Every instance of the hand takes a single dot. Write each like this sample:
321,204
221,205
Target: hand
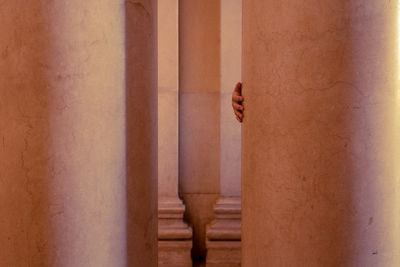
237,102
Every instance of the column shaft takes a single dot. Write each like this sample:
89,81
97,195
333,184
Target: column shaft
141,131
319,139
70,135
62,108
174,236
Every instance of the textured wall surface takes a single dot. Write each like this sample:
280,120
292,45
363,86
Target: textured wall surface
319,138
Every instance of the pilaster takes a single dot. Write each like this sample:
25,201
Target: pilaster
174,235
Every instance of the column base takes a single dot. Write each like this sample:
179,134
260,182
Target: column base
174,253
224,234
174,235
223,254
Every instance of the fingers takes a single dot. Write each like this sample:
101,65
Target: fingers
238,88
237,106
239,118
238,114
237,98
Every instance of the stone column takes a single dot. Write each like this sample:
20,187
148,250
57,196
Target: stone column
320,136
141,131
63,131
224,234
174,236
199,114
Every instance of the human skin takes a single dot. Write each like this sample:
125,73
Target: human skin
237,102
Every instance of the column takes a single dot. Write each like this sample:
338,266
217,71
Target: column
64,131
174,236
199,115
141,131
224,234
320,136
